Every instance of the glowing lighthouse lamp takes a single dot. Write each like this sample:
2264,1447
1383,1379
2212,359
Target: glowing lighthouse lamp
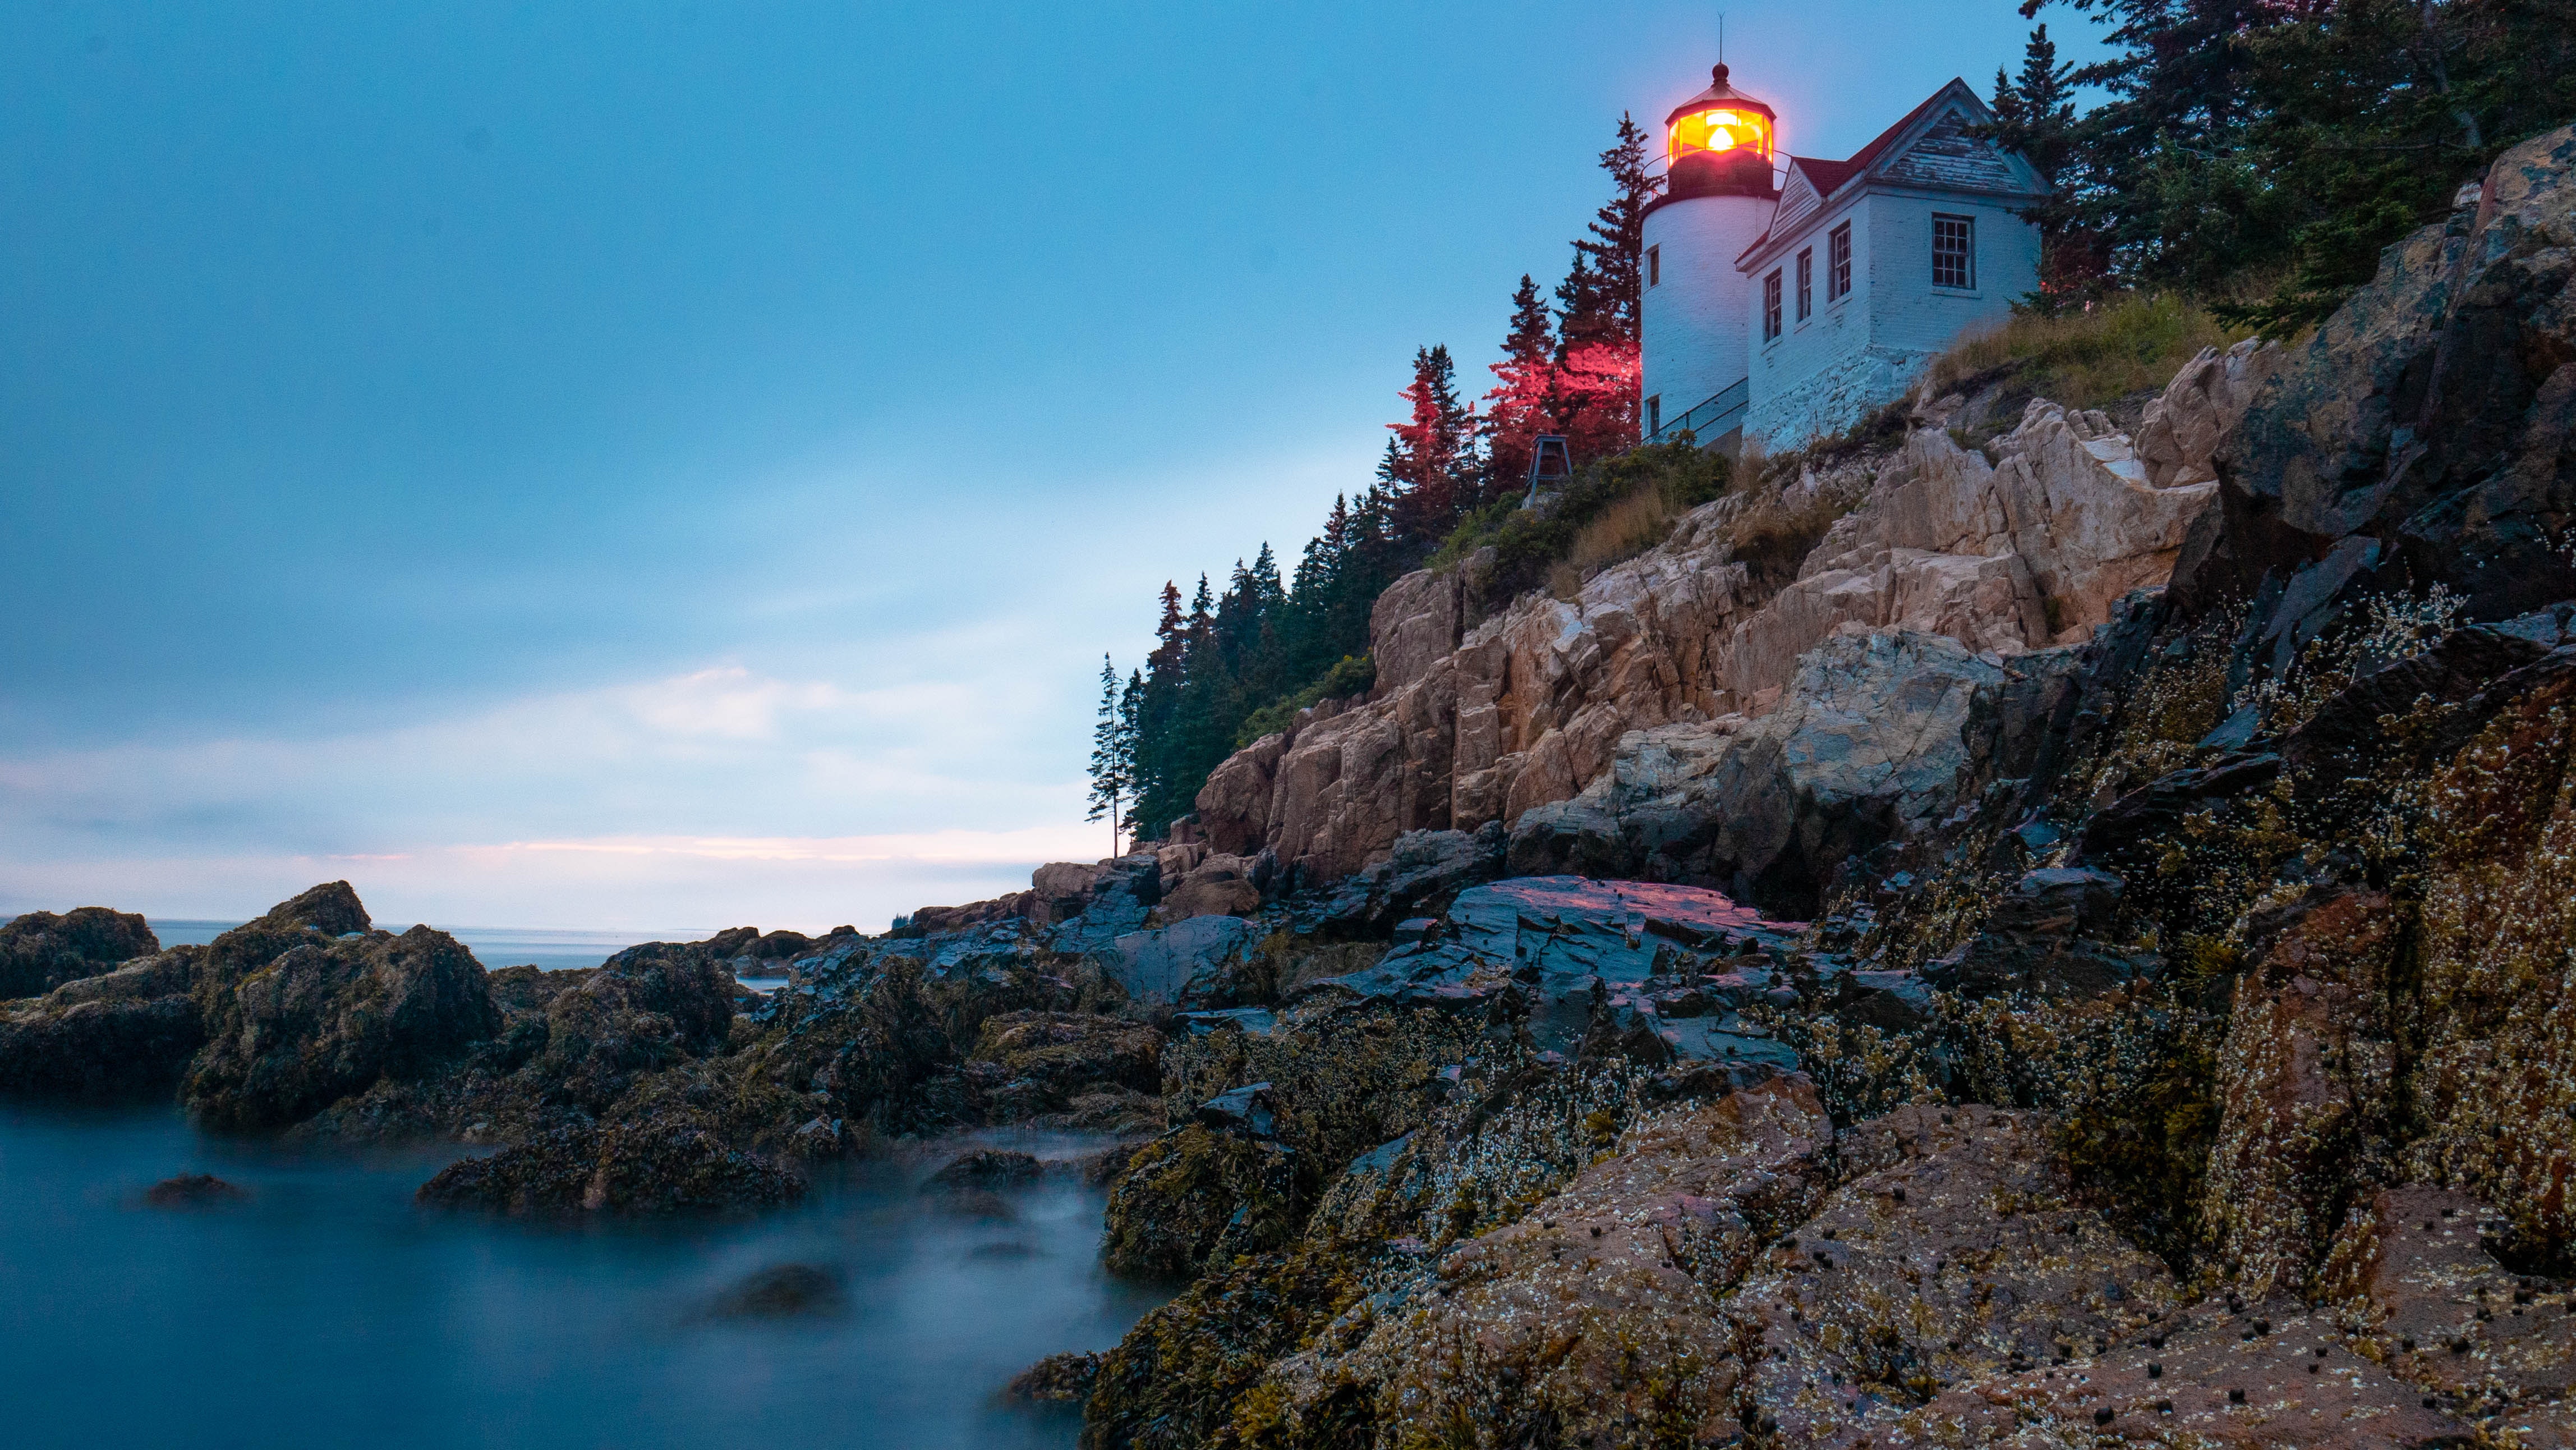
1695,315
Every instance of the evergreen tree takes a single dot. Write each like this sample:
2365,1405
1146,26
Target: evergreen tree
1522,404
1431,462
1113,750
2035,116
1609,255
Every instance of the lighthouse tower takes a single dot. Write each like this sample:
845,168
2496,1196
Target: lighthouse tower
1717,201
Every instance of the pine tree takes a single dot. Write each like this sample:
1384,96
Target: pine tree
1522,404
1431,459
1615,243
2035,116
1113,750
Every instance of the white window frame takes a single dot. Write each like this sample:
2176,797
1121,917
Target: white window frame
1838,263
1806,283
1967,254
1654,266
1771,306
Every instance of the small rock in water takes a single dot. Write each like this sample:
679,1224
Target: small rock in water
1056,1379
991,1168
783,1291
193,1190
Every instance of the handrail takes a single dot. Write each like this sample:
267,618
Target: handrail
1710,420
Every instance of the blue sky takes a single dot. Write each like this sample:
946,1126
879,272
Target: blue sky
667,465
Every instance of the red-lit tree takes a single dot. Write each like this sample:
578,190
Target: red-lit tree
1431,466
1523,403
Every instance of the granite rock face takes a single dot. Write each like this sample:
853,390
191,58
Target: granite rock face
2420,434
1476,722
41,950
1880,737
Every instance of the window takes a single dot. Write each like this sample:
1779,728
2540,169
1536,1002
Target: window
1654,265
1954,251
1806,283
1838,262
1654,410
1771,305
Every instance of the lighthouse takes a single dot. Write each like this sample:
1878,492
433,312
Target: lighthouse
1694,315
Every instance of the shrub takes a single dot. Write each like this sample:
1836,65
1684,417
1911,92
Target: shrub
1615,509
1350,675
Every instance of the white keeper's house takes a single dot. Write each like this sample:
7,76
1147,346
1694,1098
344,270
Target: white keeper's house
1786,297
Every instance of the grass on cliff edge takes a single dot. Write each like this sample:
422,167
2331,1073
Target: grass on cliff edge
1614,509
2125,345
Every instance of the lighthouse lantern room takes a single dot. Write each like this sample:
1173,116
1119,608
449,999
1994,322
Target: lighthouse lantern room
1717,200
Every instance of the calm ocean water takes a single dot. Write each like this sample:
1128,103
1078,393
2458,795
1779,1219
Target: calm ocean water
326,1310
493,946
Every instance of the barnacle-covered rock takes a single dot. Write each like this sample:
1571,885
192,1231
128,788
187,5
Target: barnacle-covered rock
123,1034
2306,1083
1595,1315
327,1018
1957,1249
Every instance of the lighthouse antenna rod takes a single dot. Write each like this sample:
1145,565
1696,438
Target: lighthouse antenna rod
1721,37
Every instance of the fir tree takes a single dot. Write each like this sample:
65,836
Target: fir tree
2035,116
1113,749
1522,404
1609,255
1431,461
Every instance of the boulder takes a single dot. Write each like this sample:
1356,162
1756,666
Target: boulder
985,1168
1879,738
119,1035
40,950
1205,1192
2046,937
669,1164
193,1190
1423,872
1055,1065
784,1291
1218,885
328,1017
1195,963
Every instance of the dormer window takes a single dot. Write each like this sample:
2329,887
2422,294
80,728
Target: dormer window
1954,251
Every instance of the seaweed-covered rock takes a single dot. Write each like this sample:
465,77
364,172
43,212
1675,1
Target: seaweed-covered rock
667,1164
41,950
1058,1379
1596,1314
123,1034
1201,1194
1079,1070
328,1017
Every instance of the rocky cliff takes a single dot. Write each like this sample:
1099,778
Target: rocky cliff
2006,553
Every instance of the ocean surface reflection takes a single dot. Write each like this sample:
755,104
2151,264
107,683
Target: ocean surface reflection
325,1310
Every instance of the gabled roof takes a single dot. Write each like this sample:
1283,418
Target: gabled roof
1830,178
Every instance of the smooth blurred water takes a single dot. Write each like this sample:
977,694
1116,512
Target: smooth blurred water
328,1311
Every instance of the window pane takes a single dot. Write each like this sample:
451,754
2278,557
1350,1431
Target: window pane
1771,306
1806,283
1953,252
1838,261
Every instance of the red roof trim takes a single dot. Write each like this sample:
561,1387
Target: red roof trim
1828,177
